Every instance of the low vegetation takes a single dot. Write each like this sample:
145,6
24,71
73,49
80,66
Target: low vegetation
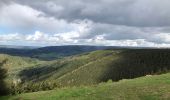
3,88
155,87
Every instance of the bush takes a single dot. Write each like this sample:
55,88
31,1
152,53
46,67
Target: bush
3,89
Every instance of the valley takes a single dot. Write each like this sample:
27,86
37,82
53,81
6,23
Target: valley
88,73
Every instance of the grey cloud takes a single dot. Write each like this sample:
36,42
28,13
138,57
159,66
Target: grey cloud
117,32
121,32
113,20
120,12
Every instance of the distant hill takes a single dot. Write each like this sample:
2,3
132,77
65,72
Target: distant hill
51,52
18,47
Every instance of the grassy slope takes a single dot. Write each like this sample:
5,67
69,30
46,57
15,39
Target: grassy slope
144,88
99,66
57,68
46,70
92,72
90,68
117,65
15,64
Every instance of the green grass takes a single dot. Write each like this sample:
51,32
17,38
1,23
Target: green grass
90,73
144,88
58,68
15,64
116,65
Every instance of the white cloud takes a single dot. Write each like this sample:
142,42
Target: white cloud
10,37
38,36
72,38
21,18
147,13
163,37
77,23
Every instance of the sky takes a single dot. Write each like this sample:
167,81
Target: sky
141,23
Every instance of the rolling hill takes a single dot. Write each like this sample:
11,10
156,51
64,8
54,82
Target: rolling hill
100,66
51,52
15,64
119,64
26,74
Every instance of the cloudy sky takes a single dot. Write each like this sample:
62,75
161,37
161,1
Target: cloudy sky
144,23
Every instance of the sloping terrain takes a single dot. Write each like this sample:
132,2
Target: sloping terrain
100,66
58,68
15,64
84,69
155,87
119,64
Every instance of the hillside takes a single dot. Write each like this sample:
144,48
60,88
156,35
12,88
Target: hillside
119,64
85,69
93,68
15,64
57,68
155,87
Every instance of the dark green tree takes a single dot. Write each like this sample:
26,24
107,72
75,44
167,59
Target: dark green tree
3,72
